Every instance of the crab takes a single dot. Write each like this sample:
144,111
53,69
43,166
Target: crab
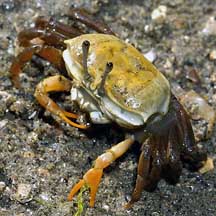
114,83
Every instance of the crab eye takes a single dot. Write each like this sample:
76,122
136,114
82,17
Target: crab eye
109,66
86,43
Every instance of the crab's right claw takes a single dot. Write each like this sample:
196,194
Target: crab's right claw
92,180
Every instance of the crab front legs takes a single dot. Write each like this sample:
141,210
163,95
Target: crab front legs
93,176
55,83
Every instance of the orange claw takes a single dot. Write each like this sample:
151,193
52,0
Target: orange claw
91,179
75,189
63,115
55,83
70,115
93,176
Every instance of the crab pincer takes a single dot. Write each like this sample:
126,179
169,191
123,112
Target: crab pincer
93,176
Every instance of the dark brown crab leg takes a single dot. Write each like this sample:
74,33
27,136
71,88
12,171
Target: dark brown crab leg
50,32
54,26
83,16
190,152
173,166
142,174
49,53
54,33
158,154
150,165
34,36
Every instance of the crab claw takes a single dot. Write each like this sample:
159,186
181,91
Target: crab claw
93,176
91,179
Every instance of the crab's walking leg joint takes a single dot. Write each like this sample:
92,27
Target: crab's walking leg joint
50,32
93,176
29,37
55,83
108,68
60,28
51,54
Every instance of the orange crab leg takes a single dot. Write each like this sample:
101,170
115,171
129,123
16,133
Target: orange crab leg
55,83
93,176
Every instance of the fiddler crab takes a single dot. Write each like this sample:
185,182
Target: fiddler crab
114,83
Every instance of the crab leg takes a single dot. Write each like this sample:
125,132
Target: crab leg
53,26
28,37
55,83
191,153
142,174
51,54
93,176
150,165
50,32
84,17
173,167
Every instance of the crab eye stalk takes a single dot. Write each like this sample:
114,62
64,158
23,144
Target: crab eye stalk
85,50
108,69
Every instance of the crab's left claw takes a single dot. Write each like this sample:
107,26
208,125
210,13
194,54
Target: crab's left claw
93,176
92,180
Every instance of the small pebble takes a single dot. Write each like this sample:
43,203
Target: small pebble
214,97
18,107
23,193
3,123
168,68
5,96
196,106
212,55
168,64
151,55
28,154
159,14
4,43
210,26
193,76
106,207
32,115
45,197
213,77
148,28
32,137
43,172
2,186
209,165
